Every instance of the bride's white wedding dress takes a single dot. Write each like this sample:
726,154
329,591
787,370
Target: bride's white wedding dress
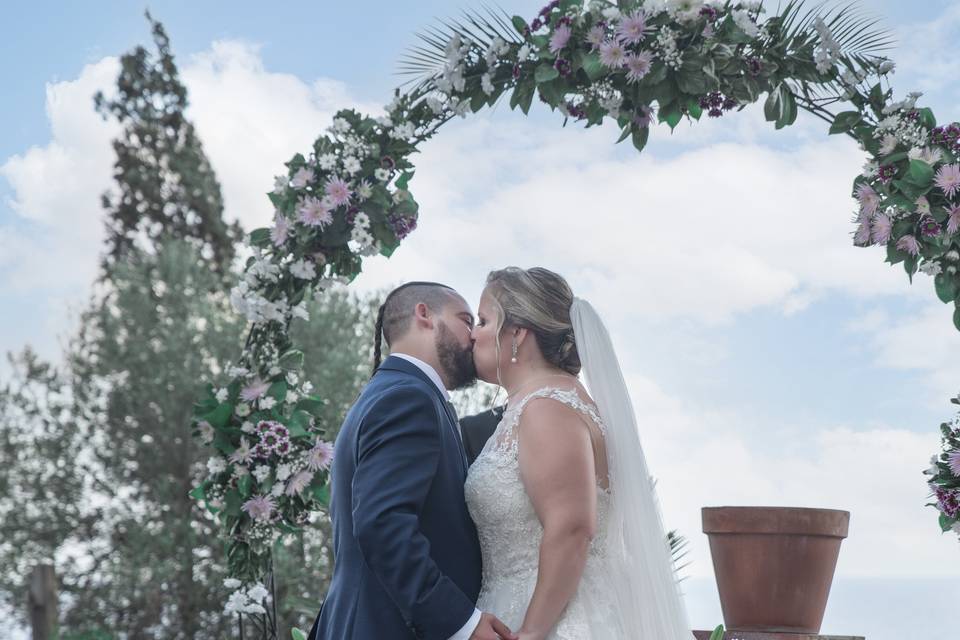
628,590
510,534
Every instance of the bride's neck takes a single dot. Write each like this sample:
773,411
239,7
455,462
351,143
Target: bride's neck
530,378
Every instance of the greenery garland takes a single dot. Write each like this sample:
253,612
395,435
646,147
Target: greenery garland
635,63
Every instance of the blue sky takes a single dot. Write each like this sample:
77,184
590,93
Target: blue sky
771,362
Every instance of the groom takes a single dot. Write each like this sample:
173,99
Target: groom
407,558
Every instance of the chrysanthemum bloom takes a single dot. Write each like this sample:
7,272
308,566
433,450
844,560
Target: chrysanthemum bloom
320,456
953,222
953,461
302,178
869,199
638,65
338,191
881,229
243,454
929,227
909,244
948,179
632,28
280,230
595,37
560,38
314,212
612,54
259,507
298,483
862,236
254,390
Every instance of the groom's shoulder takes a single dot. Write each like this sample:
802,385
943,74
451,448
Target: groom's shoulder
390,387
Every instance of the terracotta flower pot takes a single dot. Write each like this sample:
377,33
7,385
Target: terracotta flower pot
774,565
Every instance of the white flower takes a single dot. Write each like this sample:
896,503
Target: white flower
887,145
292,378
364,190
351,165
931,268
340,125
275,371
232,583
247,427
261,473
307,387
237,372
362,219
745,21
291,397
403,131
327,161
277,490
242,410
239,471
222,395
523,53
929,155
300,311
280,184
303,269
257,593
284,471
611,13
267,403
870,169
385,122
486,83
381,174
216,465
435,104
206,431
236,603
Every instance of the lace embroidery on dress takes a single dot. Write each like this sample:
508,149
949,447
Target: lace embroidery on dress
510,534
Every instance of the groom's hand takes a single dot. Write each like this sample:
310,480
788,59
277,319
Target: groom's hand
490,628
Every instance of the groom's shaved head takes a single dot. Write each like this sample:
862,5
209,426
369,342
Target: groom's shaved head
396,313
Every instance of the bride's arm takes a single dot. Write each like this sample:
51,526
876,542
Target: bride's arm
557,468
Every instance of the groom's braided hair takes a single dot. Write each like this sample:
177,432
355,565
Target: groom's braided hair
396,312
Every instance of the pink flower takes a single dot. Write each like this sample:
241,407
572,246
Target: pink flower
254,390
259,507
869,200
638,65
320,456
632,28
298,483
862,236
338,191
953,222
612,54
953,461
595,37
314,213
243,454
280,230
882,228
909,245
302,178
560,38
948,179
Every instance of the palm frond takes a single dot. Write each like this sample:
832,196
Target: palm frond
423,62
678,550
859,33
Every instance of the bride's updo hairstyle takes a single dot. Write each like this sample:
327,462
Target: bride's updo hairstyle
539,300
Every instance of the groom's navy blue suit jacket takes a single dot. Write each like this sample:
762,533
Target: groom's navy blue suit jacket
407,558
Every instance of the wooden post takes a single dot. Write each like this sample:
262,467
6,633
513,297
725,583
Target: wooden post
43,603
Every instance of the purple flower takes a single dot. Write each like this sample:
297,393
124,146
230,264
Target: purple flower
632,28
948,179
638,66
298,483
887,172
280,430
882,228
320,456
280,230
953,222
909,245
947,502
869,200
254,390
314,212
560,38
953,462
259,507
861,237
302,178
644,117
338,191
243,454
595,37
265,426
612,54
402,226
929,227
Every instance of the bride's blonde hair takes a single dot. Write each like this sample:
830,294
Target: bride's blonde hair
539,300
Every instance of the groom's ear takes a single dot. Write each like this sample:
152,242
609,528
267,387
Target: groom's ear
422,316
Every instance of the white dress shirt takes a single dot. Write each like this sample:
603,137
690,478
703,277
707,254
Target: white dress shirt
466,630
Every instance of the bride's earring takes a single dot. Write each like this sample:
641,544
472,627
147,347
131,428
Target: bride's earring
513,357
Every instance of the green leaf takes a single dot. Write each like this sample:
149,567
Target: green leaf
404,180
244,486
845,121
956,318
927,119
946,522
640,137
321,494
260,237
292,360
670,114
717,633
298,423
788,108
519,24
919,174
233,502
198,493
311,404
219,417
947,287
545,73
771,106
593,67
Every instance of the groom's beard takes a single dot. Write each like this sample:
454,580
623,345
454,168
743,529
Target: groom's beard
456,361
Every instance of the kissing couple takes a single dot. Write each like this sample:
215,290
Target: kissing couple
554,531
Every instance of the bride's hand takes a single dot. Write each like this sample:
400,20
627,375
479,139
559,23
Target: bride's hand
529,635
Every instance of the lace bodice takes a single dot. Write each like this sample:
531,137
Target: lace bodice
510,531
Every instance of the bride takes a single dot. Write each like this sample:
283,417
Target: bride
569,526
